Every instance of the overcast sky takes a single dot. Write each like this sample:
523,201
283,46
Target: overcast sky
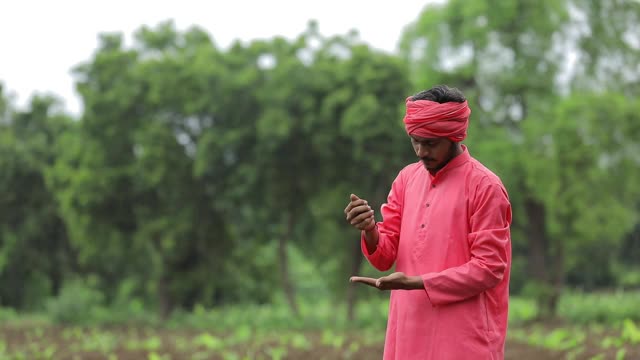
41,40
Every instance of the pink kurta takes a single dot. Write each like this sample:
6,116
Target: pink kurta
453,231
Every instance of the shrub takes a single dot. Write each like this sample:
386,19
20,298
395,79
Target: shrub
78,303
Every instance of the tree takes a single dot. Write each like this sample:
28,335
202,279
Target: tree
320,107
126,181
35,254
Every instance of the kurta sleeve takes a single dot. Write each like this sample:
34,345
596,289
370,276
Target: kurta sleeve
489,240
385,253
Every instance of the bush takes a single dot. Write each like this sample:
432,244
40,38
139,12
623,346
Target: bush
629,279
317,315
603,307
78,303
522,310
7,314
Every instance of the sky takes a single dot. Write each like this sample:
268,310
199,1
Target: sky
42,40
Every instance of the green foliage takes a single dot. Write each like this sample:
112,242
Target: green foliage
230,335
245,331
613,308
315,314
77,303
630,332
184,156
558,339
34,248
629,278
522,310
318,313
579,342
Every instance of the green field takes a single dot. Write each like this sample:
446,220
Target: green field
594,326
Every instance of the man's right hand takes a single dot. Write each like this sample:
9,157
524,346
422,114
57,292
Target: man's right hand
359,214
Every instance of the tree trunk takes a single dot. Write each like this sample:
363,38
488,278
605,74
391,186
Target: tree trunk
538,256
287,285
55,275
62,257
164,297
356,262
538,242
557,279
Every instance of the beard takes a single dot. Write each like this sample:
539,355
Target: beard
432,164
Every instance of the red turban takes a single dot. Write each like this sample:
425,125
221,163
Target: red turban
431,119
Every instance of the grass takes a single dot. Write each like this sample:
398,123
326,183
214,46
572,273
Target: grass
584,341
609,307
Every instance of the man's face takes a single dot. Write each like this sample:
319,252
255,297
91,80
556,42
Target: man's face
435,153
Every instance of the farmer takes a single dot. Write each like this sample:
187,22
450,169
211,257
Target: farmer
446,226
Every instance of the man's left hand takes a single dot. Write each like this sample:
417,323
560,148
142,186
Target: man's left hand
395,281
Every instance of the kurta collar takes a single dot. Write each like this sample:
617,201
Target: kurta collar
454,163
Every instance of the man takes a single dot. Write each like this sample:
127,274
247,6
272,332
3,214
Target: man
446,226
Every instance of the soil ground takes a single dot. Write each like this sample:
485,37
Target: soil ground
54,342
